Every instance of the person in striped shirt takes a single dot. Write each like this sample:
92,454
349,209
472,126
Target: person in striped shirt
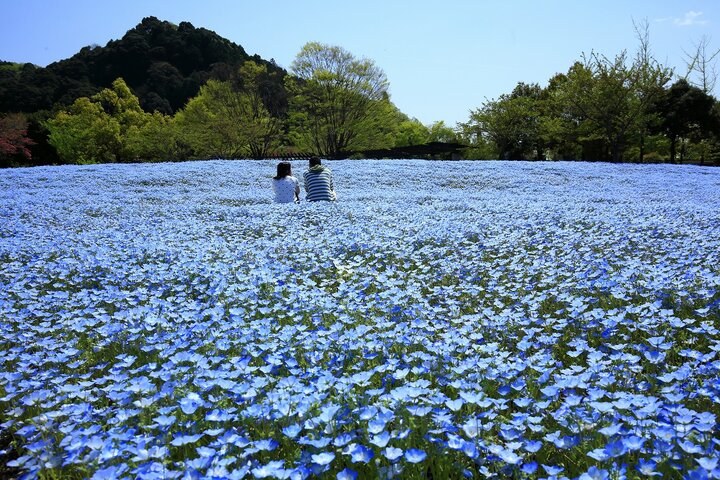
319,182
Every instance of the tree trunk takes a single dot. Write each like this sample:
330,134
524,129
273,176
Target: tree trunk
641,156
673,150
682,151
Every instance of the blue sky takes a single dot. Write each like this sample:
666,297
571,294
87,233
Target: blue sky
442,58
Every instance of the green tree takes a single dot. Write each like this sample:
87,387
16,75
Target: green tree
110,126
229,119
439,132
511,123
687,113
611,99
411,132
84,133
334,95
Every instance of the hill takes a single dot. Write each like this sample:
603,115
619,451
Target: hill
164,64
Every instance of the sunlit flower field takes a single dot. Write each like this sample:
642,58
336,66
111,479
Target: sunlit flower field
441,320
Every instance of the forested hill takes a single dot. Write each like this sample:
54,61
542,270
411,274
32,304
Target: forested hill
164,64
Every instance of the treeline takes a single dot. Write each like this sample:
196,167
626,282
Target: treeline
626,108
166,92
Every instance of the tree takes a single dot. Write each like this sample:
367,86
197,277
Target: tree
334,95
511,123
439,132
84,133
611,98
14,140
703,64
229,119
686,111
411,132
110,126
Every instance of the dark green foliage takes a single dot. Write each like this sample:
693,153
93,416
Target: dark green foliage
164,64
686,111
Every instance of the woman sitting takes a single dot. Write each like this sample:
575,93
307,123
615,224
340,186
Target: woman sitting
285,186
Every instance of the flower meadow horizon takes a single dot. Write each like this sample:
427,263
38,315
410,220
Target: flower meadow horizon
442,319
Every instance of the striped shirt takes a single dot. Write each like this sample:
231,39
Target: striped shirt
319,184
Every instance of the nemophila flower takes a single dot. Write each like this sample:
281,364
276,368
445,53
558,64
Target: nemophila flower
655,356
697,474
324,458
359,453
611,430
615,448
552,470
164,421
316,442
346,474
273,469
633,442
343,439
510,457
532,446
594,473
292,430
414,455
689,447
112,472
708,463
454,405
191,403
380,440
647,467
376,426
392,453
181,440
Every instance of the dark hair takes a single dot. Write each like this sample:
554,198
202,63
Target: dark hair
283,170
314,161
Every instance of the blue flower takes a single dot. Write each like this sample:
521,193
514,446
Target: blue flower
324,458
292,430
413,455
552,470
267,445
191,403
647,467
595,473
380,440
181,440
359,453
346,474
615,449
708,463
392,453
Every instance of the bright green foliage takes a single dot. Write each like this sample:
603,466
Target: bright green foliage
439,132
85,134
334,100
109,127
411,132
229,119
511,123
610,99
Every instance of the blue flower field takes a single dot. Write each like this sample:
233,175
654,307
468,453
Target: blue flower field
441,320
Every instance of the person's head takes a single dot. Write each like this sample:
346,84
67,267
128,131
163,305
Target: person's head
314,161
284,169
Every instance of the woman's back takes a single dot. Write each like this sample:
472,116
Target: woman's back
286,189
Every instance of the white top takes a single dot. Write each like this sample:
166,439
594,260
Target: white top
286,189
